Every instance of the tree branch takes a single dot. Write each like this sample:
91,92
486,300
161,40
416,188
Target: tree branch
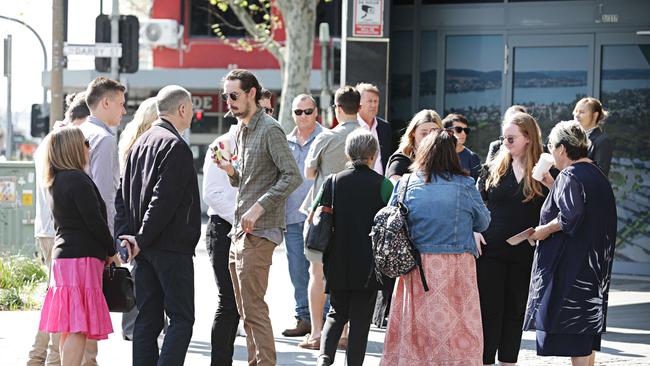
258,35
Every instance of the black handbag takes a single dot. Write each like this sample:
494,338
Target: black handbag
321,225
117,286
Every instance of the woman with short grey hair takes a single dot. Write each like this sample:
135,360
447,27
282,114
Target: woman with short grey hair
360,147
567,300
359,192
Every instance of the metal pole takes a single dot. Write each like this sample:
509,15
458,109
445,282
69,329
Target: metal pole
56,109
325,98
9,138
40,41
115,38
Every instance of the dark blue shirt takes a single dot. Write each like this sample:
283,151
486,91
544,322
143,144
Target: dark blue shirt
470,162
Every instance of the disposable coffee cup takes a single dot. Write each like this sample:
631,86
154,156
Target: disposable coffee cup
543,166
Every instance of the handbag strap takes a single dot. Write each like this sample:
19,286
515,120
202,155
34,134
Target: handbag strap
401,193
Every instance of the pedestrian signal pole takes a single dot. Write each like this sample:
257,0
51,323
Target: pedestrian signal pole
9,138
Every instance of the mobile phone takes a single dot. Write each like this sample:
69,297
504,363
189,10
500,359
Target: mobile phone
123,251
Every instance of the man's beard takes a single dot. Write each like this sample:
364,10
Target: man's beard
241,113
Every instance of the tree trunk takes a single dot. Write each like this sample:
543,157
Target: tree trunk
299,23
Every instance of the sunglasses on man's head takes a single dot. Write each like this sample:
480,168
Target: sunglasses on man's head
232,95
307,112
459,129
87,143
267,110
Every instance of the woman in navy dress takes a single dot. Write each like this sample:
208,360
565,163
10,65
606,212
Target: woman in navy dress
567,302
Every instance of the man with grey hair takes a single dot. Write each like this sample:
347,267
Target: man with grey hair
160,225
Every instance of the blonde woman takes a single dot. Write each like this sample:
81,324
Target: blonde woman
75,305
590,113
514,199
421,125
141,122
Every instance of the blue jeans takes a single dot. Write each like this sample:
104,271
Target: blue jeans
298,268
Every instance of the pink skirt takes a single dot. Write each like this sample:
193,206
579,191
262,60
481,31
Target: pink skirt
75,302
441,327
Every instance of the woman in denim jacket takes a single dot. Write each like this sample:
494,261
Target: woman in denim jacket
442,325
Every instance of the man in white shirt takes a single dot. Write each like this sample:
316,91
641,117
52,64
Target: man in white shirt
221,197
368,120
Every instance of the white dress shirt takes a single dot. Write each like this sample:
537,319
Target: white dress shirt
378,168
218,194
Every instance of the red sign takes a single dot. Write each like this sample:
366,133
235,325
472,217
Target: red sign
368,18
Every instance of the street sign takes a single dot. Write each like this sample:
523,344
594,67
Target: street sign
368,18
97,49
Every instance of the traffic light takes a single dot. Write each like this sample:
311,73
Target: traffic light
40,123
198,117
129,34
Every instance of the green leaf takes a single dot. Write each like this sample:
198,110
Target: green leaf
223,7
266,17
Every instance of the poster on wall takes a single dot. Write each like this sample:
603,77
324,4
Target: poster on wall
7,189
368,18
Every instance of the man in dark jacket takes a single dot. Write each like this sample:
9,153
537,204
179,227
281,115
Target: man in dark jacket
159,223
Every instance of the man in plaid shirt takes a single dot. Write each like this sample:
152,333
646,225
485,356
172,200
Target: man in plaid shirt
265,173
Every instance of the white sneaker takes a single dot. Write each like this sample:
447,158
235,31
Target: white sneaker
240,329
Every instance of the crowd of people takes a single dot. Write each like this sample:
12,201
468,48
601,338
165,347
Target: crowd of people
138,200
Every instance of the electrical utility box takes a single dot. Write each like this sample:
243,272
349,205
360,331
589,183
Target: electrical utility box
17,208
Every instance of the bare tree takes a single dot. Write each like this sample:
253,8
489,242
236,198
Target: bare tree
298,18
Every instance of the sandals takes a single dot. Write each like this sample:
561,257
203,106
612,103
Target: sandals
307,343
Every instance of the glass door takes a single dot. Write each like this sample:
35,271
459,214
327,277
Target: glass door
622,84
549,74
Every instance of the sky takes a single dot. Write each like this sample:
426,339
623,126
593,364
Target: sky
27,57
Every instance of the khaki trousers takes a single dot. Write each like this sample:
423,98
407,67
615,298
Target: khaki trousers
250,261
45,350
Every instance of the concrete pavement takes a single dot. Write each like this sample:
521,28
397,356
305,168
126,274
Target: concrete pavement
626,343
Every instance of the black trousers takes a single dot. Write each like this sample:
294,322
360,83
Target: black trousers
164,284
503,288
226,318
357,308
382,305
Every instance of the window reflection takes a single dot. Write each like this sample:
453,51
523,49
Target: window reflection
549,81
625,93
428,45
401,62
473,80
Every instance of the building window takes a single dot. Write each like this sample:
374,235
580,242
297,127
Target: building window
549,81
203,15
428,69
401,82
473,82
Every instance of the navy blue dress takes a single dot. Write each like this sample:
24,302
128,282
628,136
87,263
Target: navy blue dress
567,301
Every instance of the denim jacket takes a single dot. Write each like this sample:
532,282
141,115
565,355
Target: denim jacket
443,214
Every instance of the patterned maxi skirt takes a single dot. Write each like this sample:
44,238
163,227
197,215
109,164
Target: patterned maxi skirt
441,327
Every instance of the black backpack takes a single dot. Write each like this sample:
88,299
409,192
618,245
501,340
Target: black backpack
392,247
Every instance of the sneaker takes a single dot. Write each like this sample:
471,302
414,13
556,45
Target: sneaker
302,328
240,329
323,360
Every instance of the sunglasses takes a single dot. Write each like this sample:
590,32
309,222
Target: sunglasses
267,110
459,129
510,139
233,96
299,112
87,143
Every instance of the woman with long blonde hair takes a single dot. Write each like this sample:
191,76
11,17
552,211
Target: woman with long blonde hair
75,305
421,125
514,199
141,122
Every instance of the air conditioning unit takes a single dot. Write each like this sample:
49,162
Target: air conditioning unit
160,33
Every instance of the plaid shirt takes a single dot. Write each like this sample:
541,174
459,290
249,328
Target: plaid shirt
267,172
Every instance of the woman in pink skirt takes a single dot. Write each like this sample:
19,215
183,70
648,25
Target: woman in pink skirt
75,305
441,327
